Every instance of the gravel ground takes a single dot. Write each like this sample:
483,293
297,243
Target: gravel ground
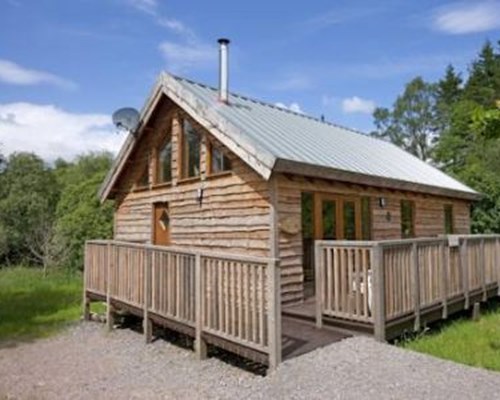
85,362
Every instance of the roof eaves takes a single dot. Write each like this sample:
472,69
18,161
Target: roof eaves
317,171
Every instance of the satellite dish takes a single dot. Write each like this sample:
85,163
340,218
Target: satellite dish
126,118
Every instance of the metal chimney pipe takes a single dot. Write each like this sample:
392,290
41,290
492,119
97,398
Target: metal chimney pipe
223,70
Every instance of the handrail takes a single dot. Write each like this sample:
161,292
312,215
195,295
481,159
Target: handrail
408,277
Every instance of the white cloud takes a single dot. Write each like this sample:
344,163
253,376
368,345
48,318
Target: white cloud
470,17
147,6
52,132
16,74
294,106
177,27
183,56
356,104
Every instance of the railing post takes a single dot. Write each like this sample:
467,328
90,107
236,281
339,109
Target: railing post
86,302
199,295
274,316
445,260
147,323
482,269
465,272
379,292
319,283
415,284
110,318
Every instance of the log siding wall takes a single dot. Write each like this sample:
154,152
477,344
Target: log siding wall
233,216
429,220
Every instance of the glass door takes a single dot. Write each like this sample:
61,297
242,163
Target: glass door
338,217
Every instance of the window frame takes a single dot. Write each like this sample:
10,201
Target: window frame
183,167
412,207
158,164
210,147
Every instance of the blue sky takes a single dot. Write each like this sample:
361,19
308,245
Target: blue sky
65,66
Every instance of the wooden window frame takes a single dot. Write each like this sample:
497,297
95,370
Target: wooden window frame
181,167
157,163
339,200
209,163
413,208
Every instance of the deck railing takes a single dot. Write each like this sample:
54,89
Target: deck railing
230,297
382,283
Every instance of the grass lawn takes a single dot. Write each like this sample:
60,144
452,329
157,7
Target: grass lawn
475,343
33,306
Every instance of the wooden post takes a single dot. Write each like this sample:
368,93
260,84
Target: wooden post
482,269
379,292
274,316
86,301
199,294
445,259
319,283
476,311
465,272
110,318
147,323
415,285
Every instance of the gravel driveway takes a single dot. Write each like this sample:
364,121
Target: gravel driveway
85,362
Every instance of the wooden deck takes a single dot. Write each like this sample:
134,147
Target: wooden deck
234,301
231,301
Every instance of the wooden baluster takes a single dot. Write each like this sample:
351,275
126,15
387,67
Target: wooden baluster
200,344
379,292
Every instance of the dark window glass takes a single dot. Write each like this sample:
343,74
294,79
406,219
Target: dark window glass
190,151
307,215
349,220
407,219
329,221
165,162
448,219
219,162
366,219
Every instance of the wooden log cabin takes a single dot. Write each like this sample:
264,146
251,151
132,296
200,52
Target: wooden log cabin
228,208
246,177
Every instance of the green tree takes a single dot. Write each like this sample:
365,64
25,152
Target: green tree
412,122
483,85
80,215
29,194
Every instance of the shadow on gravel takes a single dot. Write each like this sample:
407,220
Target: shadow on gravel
186,342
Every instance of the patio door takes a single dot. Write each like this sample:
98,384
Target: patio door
337,217
161,224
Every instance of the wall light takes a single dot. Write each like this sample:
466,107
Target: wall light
382,202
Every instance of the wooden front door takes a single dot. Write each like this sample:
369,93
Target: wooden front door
337,217
161,224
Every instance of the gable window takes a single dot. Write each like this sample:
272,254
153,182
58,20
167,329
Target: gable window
407,219
218,161
190,148
448,219
164,172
